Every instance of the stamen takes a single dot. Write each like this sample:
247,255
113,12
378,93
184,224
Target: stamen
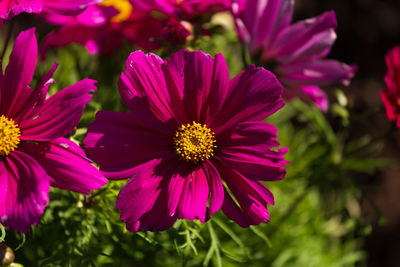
194,142
9,135
123,6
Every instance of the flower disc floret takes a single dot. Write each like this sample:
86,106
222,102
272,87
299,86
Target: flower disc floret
9,135
123,6
194,142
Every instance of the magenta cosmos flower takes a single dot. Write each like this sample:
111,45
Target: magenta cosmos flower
294,52
192,136
33,152
391,95
102,28
183,9
11,8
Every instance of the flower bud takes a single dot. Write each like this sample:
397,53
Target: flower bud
6,255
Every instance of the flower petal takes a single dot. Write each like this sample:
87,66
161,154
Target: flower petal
175,189
143,200
316,73
67,7
201,82
316,95
216,188
3,189
31,101
182,189
389,100
11,8
194,196
392,78
19,72
27,194
66,164
139,105
144,77
120,142
254,94
166,7
249,152
252,197
60,113
258,22
308,39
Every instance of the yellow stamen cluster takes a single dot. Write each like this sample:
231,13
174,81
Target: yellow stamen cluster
9,135
123,6
194,142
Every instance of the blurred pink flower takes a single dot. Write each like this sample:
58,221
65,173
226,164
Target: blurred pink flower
102,28
11,8
33,152
175,33
294,52
391,95
190,129
183,9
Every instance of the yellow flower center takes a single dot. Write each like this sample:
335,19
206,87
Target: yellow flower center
123,6
194,142
9,135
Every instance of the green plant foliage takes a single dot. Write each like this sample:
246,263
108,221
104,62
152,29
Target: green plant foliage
316,220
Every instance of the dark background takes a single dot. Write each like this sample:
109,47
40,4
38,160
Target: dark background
367,29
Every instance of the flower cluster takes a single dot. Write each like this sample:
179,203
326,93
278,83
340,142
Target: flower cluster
193,140
102,28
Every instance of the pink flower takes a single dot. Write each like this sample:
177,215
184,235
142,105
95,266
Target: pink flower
11,8
175,33
184,9
102,28
33,152
190,129
295,51
391,95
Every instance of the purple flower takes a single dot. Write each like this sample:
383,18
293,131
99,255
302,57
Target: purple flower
192,136
184,9
294,51
33,152
102,29
391,95
11,8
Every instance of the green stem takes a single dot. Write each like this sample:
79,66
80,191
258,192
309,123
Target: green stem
290,210
245,56
8,38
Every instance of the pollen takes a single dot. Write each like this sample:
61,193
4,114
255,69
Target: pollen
9,135
123,6
194,142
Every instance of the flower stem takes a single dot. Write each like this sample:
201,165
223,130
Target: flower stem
8,38
245,56
289,211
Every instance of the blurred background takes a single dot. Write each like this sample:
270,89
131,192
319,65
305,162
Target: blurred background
367,30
